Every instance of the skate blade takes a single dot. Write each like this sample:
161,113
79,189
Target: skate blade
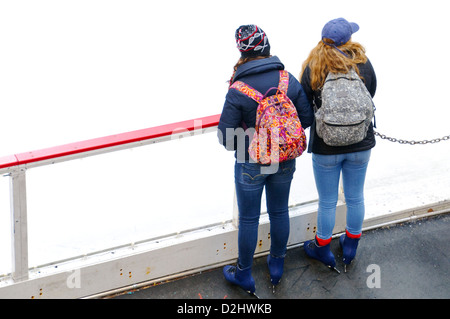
335,269
253,294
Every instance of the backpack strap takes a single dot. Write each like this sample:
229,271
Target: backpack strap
284,81
256,95
247,90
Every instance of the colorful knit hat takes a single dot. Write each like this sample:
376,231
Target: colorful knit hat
252,41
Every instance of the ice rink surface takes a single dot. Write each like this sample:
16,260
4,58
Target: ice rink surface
76,70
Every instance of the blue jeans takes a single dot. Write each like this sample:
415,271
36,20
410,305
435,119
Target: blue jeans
327,170
250,182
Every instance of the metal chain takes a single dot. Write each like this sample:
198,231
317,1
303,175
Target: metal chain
393,139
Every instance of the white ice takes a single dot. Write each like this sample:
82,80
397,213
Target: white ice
71,71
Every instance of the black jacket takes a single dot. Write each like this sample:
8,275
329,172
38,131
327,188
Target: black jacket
261,75
316,144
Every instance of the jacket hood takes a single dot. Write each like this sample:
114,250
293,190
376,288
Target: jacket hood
258,66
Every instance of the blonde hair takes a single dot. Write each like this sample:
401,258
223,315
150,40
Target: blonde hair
324,58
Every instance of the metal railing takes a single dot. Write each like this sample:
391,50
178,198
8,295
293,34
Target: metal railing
156,258
15,166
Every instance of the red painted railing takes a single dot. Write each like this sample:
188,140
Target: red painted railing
108,141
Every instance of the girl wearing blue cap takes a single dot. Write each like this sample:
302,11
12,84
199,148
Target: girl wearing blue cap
336,53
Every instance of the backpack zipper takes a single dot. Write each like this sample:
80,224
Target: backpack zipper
354,124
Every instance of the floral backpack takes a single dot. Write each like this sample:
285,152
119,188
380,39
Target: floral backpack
279,135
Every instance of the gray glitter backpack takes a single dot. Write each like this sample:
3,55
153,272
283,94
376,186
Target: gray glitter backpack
347,110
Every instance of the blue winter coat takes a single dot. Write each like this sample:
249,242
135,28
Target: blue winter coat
238,108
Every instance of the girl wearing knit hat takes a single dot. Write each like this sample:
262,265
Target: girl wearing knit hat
261,71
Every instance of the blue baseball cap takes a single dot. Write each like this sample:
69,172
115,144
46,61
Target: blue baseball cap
339,30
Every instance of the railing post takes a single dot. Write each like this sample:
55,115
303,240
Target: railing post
19,232
341,195
235,219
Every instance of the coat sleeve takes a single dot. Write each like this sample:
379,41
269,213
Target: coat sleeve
305,81
373,85
230,120
301,102
370,78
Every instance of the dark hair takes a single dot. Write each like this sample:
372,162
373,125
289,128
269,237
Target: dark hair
242,61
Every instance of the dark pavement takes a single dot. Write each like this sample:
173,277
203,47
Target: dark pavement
405,261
